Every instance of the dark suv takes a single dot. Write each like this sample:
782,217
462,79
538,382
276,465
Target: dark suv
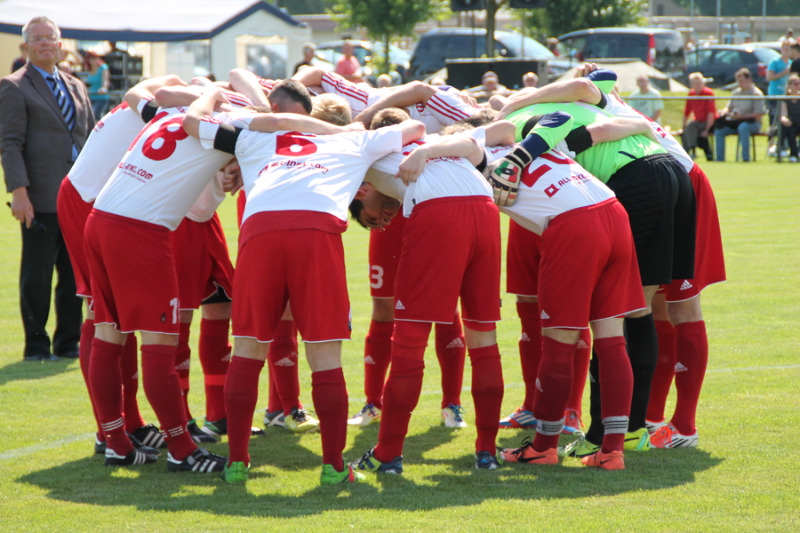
660,48
721,61
438,45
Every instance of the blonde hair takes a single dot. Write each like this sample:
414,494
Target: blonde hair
331,108
696,76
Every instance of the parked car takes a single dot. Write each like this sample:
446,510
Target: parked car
364,51
721,61
661,48
440,44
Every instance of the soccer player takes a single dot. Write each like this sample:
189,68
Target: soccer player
452,197
298,188
657,194
102,153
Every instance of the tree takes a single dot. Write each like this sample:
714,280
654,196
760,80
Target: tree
746,8
562,16
383,19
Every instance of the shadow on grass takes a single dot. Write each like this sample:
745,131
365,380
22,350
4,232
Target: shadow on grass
27,370
450,482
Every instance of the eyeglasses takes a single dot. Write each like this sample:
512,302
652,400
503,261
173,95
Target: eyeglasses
45,38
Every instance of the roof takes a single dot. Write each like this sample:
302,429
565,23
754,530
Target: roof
142,20
635,30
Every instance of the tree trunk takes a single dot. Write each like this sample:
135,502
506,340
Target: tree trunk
387,68
491,11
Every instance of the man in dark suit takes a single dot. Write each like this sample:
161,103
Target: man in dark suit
45,118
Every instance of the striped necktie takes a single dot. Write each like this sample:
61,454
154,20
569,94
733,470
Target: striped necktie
64,104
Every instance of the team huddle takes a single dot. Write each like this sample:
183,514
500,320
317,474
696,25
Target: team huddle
612,225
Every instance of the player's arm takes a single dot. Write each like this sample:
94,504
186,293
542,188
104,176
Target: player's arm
247,83
446,146
579,89
618,128
502,133
309,76
270,122
201,108
404,96
146,89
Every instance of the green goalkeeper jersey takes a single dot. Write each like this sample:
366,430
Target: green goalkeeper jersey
603,159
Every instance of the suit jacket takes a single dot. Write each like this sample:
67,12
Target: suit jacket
35,143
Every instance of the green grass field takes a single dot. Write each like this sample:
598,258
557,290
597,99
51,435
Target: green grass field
743,477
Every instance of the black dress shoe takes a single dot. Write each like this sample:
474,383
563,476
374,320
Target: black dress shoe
72,354
41,357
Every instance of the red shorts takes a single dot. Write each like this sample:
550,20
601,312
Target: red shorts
709,261
451,249
384,253
588,270
522,261
201,261
305,266
134,285
72,215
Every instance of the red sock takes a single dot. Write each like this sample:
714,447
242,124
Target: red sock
129,369
552,391
106,384
84,355
402,389
451,351
329,393
487,395
616,390
664,372
580,370
241,395
163,391
215,354
183,359
530,348
377,353
691,346
283,365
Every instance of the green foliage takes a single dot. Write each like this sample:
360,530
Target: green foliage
305,7
562,16
748,8
384,20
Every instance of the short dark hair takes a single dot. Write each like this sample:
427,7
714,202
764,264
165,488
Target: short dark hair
388,117
290,91
744,72
355,211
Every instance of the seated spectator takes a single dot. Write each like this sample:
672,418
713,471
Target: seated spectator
741,117
530,79
649,108
490,86
695,132
790,117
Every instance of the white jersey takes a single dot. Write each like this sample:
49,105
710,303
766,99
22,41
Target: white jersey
206,205
618,108
443,177
442,109
291,171
105,147
359,96
551,185
162,174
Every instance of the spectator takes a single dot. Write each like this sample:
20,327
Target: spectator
788,36
490,86
348,66
649,108
384,80
794,53
65,67
695,132
777,71
98,81
741,117
530,79
552,45
45,118
790,117
308,55
21,60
